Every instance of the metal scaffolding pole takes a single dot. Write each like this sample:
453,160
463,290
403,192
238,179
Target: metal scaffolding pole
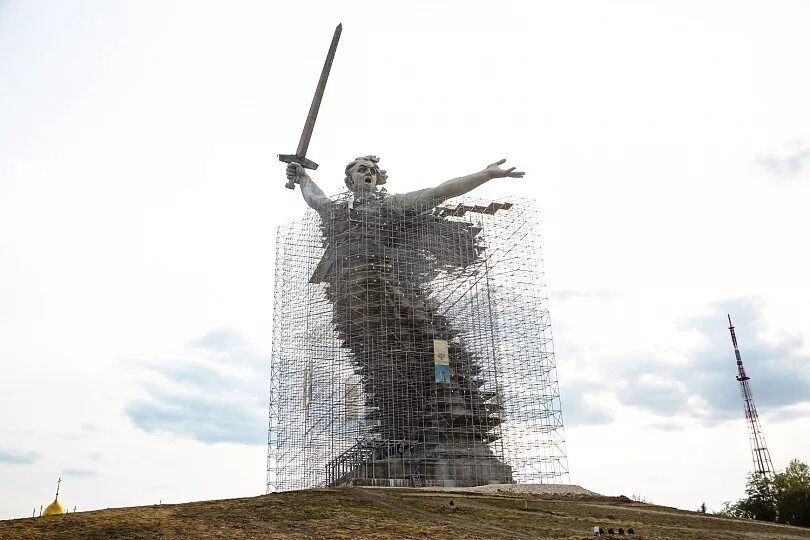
413,349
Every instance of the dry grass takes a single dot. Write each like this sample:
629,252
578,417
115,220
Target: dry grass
394,513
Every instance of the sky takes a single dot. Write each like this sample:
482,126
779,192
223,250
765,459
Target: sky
666,145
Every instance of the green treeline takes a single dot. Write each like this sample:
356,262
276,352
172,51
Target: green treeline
784,499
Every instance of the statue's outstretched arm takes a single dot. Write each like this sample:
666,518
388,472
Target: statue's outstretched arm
430,197
312,194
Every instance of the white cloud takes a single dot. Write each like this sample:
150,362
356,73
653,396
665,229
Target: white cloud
793,160
217,394
18,457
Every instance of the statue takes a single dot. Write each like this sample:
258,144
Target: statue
384,291
363,176
420,385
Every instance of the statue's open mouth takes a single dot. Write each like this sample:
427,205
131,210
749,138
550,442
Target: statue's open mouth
368,180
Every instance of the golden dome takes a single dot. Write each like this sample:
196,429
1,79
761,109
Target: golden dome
54,508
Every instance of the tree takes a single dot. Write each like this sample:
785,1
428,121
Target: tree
759,504
785,499
791,490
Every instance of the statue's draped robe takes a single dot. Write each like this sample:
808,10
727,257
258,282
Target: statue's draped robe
380,257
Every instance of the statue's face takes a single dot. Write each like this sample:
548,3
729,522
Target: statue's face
364,176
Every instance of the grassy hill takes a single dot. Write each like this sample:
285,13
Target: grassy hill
355,512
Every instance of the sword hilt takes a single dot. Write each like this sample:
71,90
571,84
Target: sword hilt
301,160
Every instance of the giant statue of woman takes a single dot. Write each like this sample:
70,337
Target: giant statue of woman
422,388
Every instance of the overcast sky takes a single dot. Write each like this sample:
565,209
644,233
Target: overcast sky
667,145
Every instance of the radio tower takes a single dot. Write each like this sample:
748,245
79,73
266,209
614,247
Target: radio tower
759,450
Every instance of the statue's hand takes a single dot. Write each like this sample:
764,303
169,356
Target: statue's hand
494,170
296,173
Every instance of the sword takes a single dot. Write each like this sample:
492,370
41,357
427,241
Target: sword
303,143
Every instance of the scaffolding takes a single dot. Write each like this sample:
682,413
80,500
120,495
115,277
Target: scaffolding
412,348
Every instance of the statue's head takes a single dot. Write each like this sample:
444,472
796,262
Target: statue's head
363,174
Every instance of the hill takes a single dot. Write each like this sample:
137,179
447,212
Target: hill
355,512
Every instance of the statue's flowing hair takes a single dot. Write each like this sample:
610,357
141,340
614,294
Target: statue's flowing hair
374,160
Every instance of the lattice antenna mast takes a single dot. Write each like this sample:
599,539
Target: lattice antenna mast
759,450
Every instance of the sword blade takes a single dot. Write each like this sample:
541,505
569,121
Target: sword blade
306,134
